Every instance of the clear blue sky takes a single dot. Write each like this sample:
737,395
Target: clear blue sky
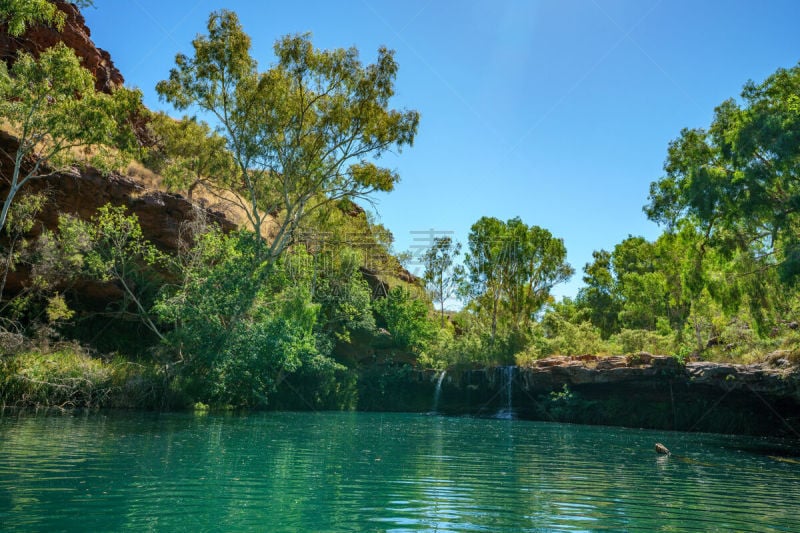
556,111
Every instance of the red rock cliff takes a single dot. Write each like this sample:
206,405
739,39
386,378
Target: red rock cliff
76,35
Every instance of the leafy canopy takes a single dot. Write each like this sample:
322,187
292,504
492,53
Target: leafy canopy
51,104
441,275
738,179
512,267
190,154
19,15
307,127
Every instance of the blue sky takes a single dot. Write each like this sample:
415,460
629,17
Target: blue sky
556,111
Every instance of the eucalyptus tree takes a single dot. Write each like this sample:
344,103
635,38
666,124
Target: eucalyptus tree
533,263
737,181
51,106
599,294
442,275
189,154
19,15
512,267
641,282
308,127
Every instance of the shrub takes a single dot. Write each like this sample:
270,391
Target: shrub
576,339
641,340
70,378
407,319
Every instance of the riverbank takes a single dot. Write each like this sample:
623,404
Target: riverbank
638,391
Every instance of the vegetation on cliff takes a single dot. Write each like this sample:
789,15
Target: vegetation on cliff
229,315
308,290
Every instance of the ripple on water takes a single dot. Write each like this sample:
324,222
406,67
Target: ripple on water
354,472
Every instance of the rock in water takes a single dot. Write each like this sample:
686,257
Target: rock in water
660,448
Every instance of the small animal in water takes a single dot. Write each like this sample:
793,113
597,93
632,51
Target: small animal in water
660,448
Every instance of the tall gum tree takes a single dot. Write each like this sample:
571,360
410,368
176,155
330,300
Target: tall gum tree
511,268
738,180
441,275
307,128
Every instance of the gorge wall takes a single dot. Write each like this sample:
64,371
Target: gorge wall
641,390
75,34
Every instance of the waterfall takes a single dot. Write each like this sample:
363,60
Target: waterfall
507,387
438,392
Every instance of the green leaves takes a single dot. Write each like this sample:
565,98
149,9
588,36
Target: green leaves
305,129
406,318
441,276
190,154
740,177
119,247
513,266
19,15
237,330
51,105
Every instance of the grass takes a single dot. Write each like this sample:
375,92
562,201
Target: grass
69,378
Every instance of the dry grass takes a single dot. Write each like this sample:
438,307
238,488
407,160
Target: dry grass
224,201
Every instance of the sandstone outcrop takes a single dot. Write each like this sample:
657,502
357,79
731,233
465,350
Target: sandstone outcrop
637,390
81,193
555,372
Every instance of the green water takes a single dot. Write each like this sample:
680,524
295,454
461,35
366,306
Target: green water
381,472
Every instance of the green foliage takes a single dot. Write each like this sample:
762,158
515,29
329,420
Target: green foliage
19,15
234,335
120,253
258,350
599,295
69,378
472,343
407,319
251,319
52,105
53,261
302,131
57,309
118,244
639,340
20,221
566,338
441,275
342,293
189,154
512,267
716,282
65,378
738,179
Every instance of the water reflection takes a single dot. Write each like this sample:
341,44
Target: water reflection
359,471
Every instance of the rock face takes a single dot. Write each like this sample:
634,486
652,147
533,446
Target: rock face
639,369
640,390
76,35
160,213
81,193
